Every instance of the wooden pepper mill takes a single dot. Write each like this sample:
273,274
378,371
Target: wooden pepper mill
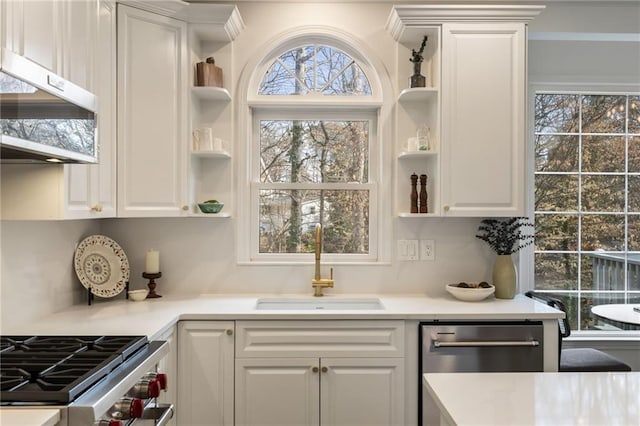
414,193
423,194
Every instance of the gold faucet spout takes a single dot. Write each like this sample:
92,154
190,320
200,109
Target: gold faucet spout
318,283
318,250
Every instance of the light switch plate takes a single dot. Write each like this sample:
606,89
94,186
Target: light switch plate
428,250
408,250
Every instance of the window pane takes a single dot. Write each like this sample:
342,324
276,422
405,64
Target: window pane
288,219
338,74
634,154
556,271
603,193
556,232
634,194
633,225
556,192
603,154
320,69
556,113
556,153
603,232
634,114
603,114
607,271
314,151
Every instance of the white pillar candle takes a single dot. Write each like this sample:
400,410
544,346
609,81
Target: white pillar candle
152,262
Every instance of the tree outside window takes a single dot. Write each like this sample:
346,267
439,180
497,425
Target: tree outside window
314,165
587,201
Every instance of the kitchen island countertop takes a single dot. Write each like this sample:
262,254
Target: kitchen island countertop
553,399
29,416
152,317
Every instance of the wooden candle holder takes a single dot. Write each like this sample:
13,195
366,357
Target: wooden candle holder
152,284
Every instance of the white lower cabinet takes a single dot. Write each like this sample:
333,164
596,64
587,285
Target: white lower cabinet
205,373
319,373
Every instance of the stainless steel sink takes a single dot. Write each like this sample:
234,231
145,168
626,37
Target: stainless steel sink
290,303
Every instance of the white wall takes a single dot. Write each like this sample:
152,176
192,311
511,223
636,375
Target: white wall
36,271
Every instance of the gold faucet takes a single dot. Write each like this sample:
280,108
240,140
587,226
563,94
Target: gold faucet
317,282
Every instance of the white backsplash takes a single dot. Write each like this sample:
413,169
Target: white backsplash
197,256
37,275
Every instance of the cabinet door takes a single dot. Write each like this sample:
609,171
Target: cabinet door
362,391
91,188
79,34
205,373
277,392
152,89
483,119
33,29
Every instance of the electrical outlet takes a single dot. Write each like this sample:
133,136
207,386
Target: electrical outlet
428,250
408,249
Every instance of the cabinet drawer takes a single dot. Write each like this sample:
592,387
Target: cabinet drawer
319,338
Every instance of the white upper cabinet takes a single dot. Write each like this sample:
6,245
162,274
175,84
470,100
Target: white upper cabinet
477,168
483,119
91,188
33,29
152,112
77,41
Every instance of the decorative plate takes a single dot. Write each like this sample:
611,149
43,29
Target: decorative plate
101,265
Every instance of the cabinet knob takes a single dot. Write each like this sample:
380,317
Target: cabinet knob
314,369
229,332
446,208
185,208
324,369
96,208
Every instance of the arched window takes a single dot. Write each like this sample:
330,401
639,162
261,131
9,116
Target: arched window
314,156
315,69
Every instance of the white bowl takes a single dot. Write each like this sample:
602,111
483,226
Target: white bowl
138,295
472,294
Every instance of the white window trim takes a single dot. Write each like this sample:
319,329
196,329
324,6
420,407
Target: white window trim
250,103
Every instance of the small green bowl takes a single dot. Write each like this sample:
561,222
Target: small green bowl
210,207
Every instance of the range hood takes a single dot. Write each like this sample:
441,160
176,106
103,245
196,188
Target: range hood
44,117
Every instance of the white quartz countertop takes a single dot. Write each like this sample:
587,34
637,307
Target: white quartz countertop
29,417
553,399
152,317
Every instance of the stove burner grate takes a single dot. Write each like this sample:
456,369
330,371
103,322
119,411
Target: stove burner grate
58,369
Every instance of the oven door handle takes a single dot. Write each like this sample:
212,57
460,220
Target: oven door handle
155,414
485,343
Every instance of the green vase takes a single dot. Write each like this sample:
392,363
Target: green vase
504,277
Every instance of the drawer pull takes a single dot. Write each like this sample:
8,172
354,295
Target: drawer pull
496,343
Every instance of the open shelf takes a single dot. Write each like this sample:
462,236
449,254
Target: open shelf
211,154
417,154
417,215
417,94
212,215
211,93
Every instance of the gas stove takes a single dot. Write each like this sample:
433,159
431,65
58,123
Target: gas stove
110,380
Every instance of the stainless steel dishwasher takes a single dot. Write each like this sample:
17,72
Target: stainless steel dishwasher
449,347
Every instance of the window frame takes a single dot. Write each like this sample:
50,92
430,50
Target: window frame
371,185
250,103
526,261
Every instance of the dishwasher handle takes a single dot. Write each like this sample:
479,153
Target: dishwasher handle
485,343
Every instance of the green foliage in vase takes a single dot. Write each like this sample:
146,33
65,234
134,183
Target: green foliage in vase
506,236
